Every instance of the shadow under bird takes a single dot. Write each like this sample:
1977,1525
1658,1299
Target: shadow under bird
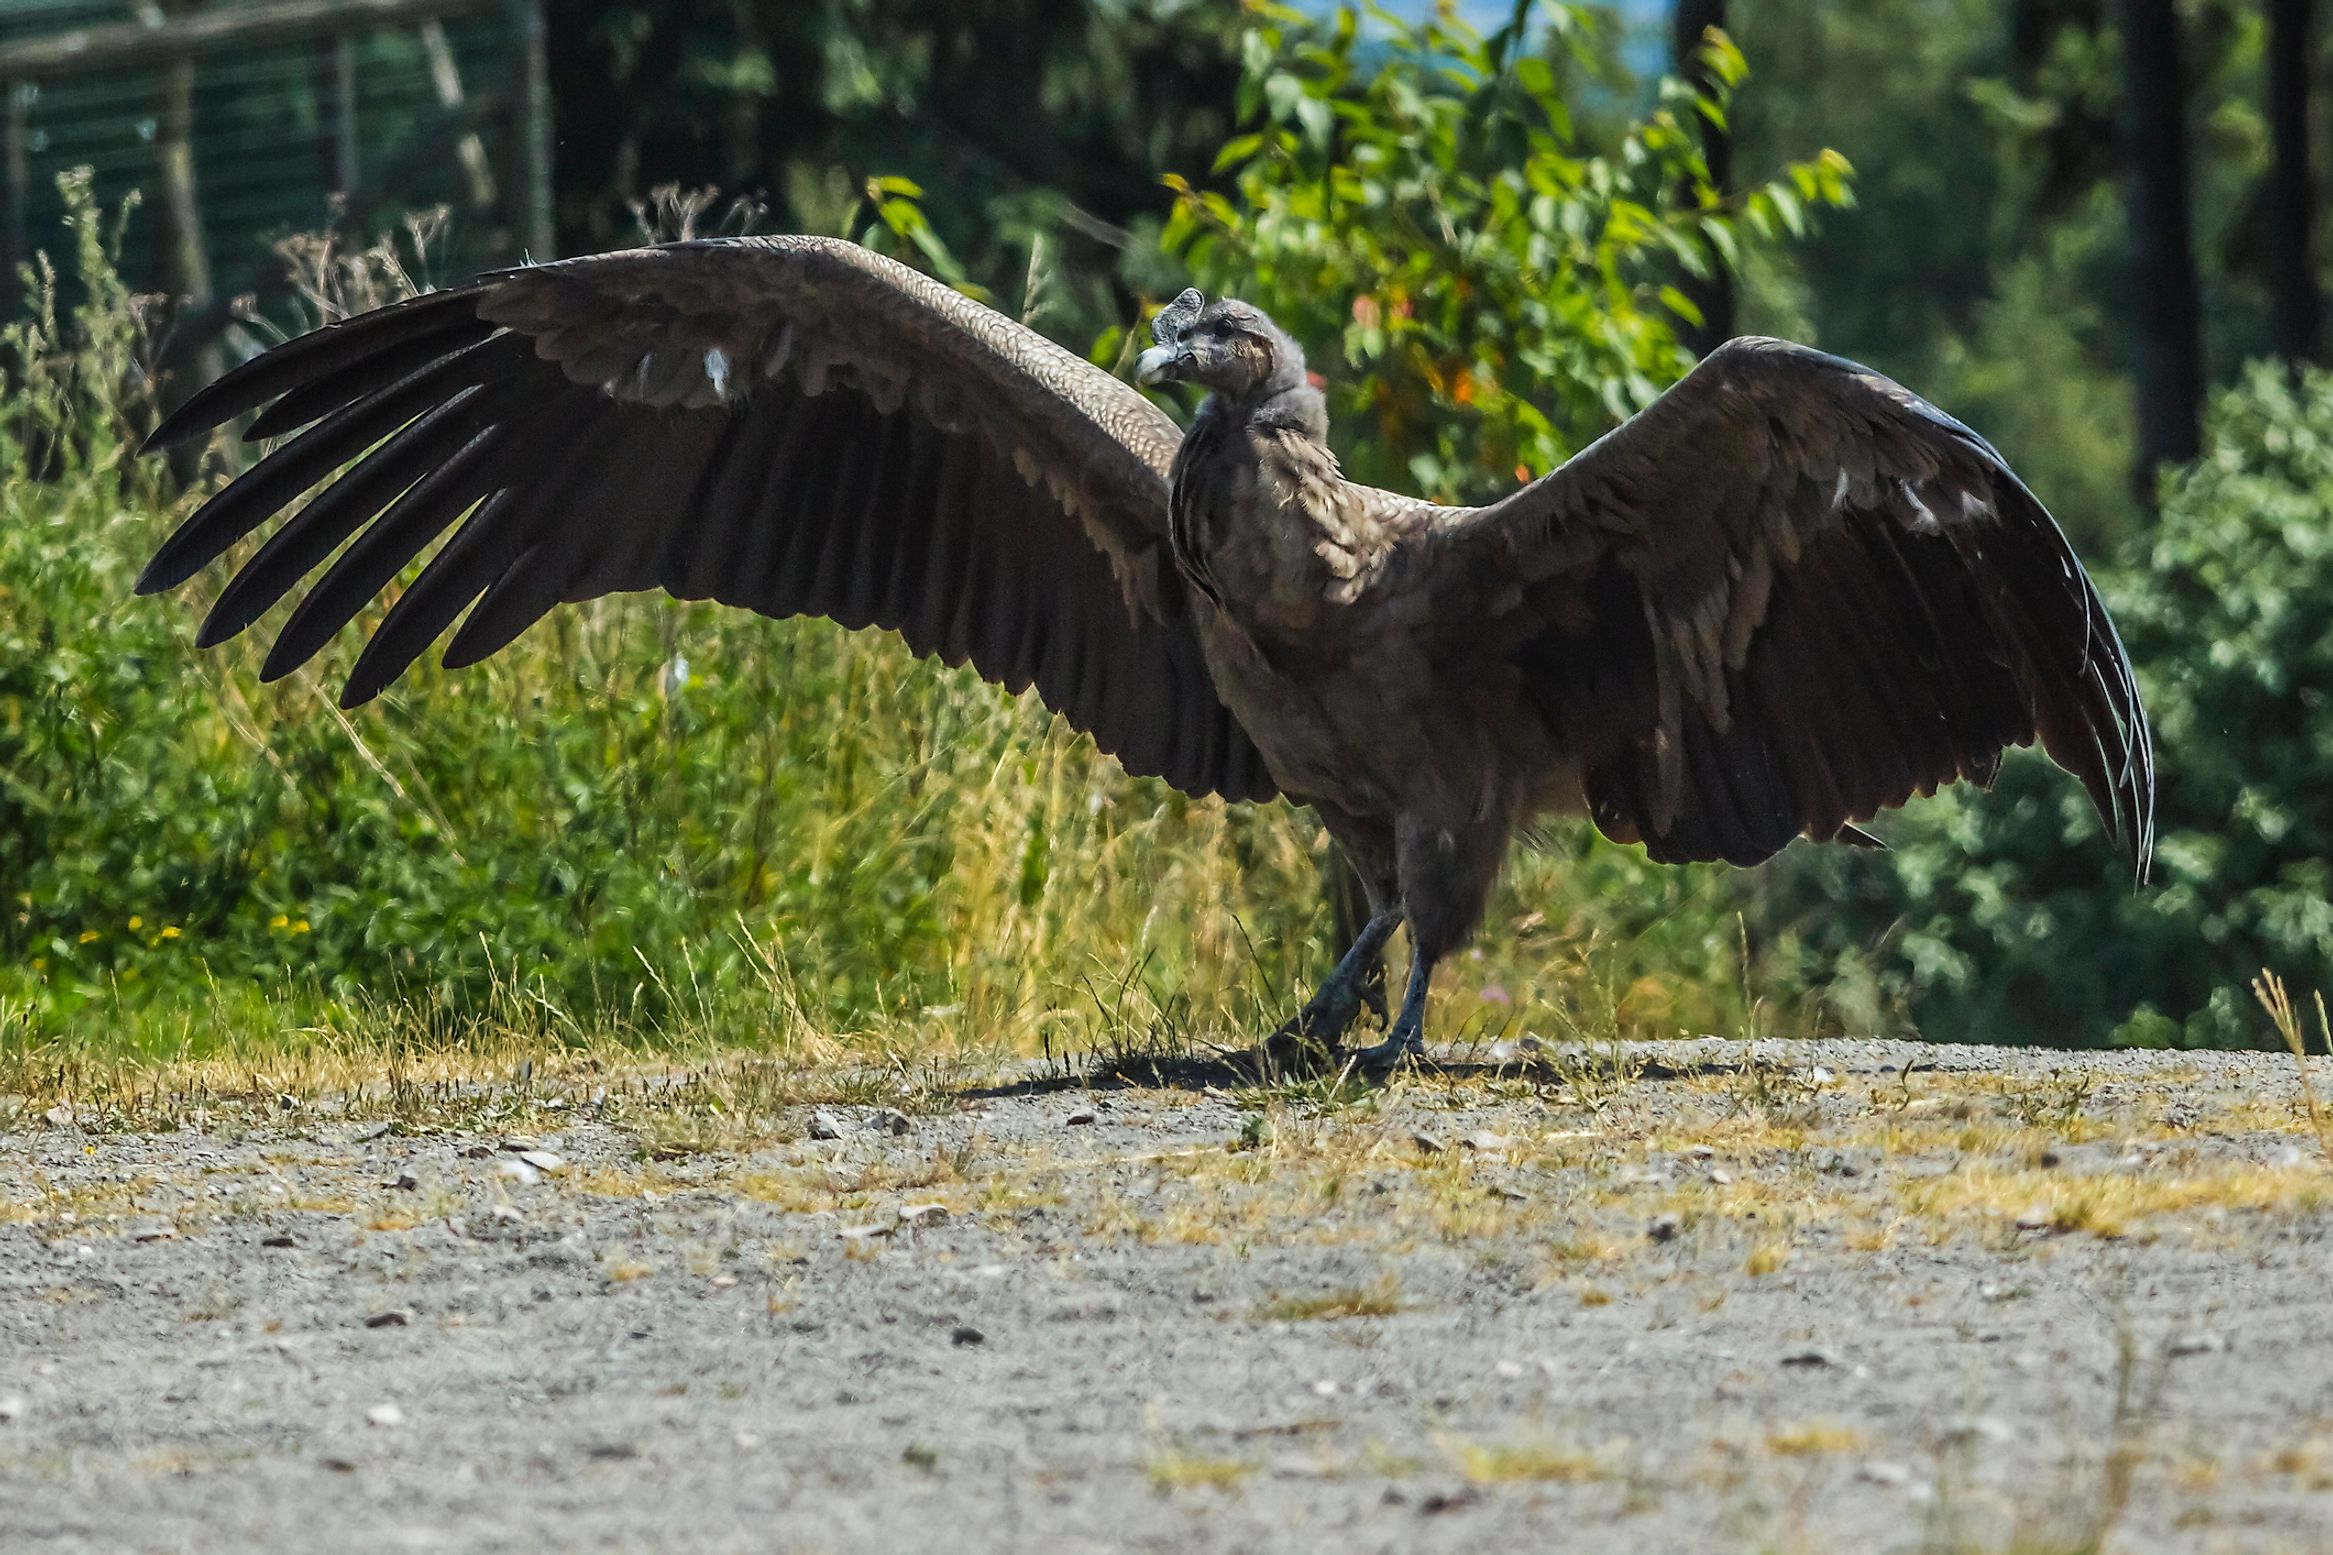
1788,595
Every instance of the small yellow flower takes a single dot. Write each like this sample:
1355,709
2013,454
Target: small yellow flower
137,922
279,921
89,936
170,931
300,927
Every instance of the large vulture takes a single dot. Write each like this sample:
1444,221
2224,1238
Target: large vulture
1787,596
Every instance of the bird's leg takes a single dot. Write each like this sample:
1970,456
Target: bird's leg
1444,878
1359,878
1350,900
1337,1002
1407,1040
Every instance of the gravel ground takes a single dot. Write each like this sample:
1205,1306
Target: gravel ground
1702,1296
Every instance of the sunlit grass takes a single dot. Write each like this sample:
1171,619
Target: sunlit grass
2269,989
1171,1470
1381,1298
2113,1204
1539,1460
1813,1439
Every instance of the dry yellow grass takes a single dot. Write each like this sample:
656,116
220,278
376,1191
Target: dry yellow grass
2111,1203
1813,1439
1379,1299
2269,989
2307,1462
1543,1460
1172,1470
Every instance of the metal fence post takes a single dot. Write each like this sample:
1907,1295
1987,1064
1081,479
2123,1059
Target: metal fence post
12,235
530,105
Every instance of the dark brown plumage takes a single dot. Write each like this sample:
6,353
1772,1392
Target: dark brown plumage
1786,597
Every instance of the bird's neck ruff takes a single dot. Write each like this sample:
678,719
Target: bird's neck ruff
1288,377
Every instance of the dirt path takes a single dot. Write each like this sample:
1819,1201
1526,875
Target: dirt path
1689,1297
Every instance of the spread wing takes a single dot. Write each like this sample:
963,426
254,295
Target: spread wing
794,425
1792,594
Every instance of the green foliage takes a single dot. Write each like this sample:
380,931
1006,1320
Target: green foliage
75,382
1499,285
2002,917
639,812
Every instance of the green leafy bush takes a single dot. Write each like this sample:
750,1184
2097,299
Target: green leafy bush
1497,282
2005,917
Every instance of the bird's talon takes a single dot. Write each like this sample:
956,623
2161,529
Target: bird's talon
1292,1050
1387,1056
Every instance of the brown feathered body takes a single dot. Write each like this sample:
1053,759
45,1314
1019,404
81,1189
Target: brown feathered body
1328,648
1785,597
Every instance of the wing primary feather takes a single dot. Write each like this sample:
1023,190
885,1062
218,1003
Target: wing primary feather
527,590
952,568
817,470
478,553
697,557
335,513
1090,663
868,520
846,533
768,504
344,385
2086,707
644,474
489,540
1731,826
261,492
1895,717
309,357
901,594
1798,707
418,516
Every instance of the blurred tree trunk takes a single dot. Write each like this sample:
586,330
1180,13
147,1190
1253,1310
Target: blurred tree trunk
2294,317
2164,308
1714,296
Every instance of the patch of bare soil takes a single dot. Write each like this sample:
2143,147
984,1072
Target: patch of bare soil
1847,1297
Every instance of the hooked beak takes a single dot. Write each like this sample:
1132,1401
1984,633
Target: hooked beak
1159,364
1166,361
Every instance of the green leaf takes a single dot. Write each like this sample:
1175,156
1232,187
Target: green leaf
1236,150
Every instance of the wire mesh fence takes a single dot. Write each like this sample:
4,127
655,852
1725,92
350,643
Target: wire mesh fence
238,123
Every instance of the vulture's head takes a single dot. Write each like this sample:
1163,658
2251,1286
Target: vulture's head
1225,345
